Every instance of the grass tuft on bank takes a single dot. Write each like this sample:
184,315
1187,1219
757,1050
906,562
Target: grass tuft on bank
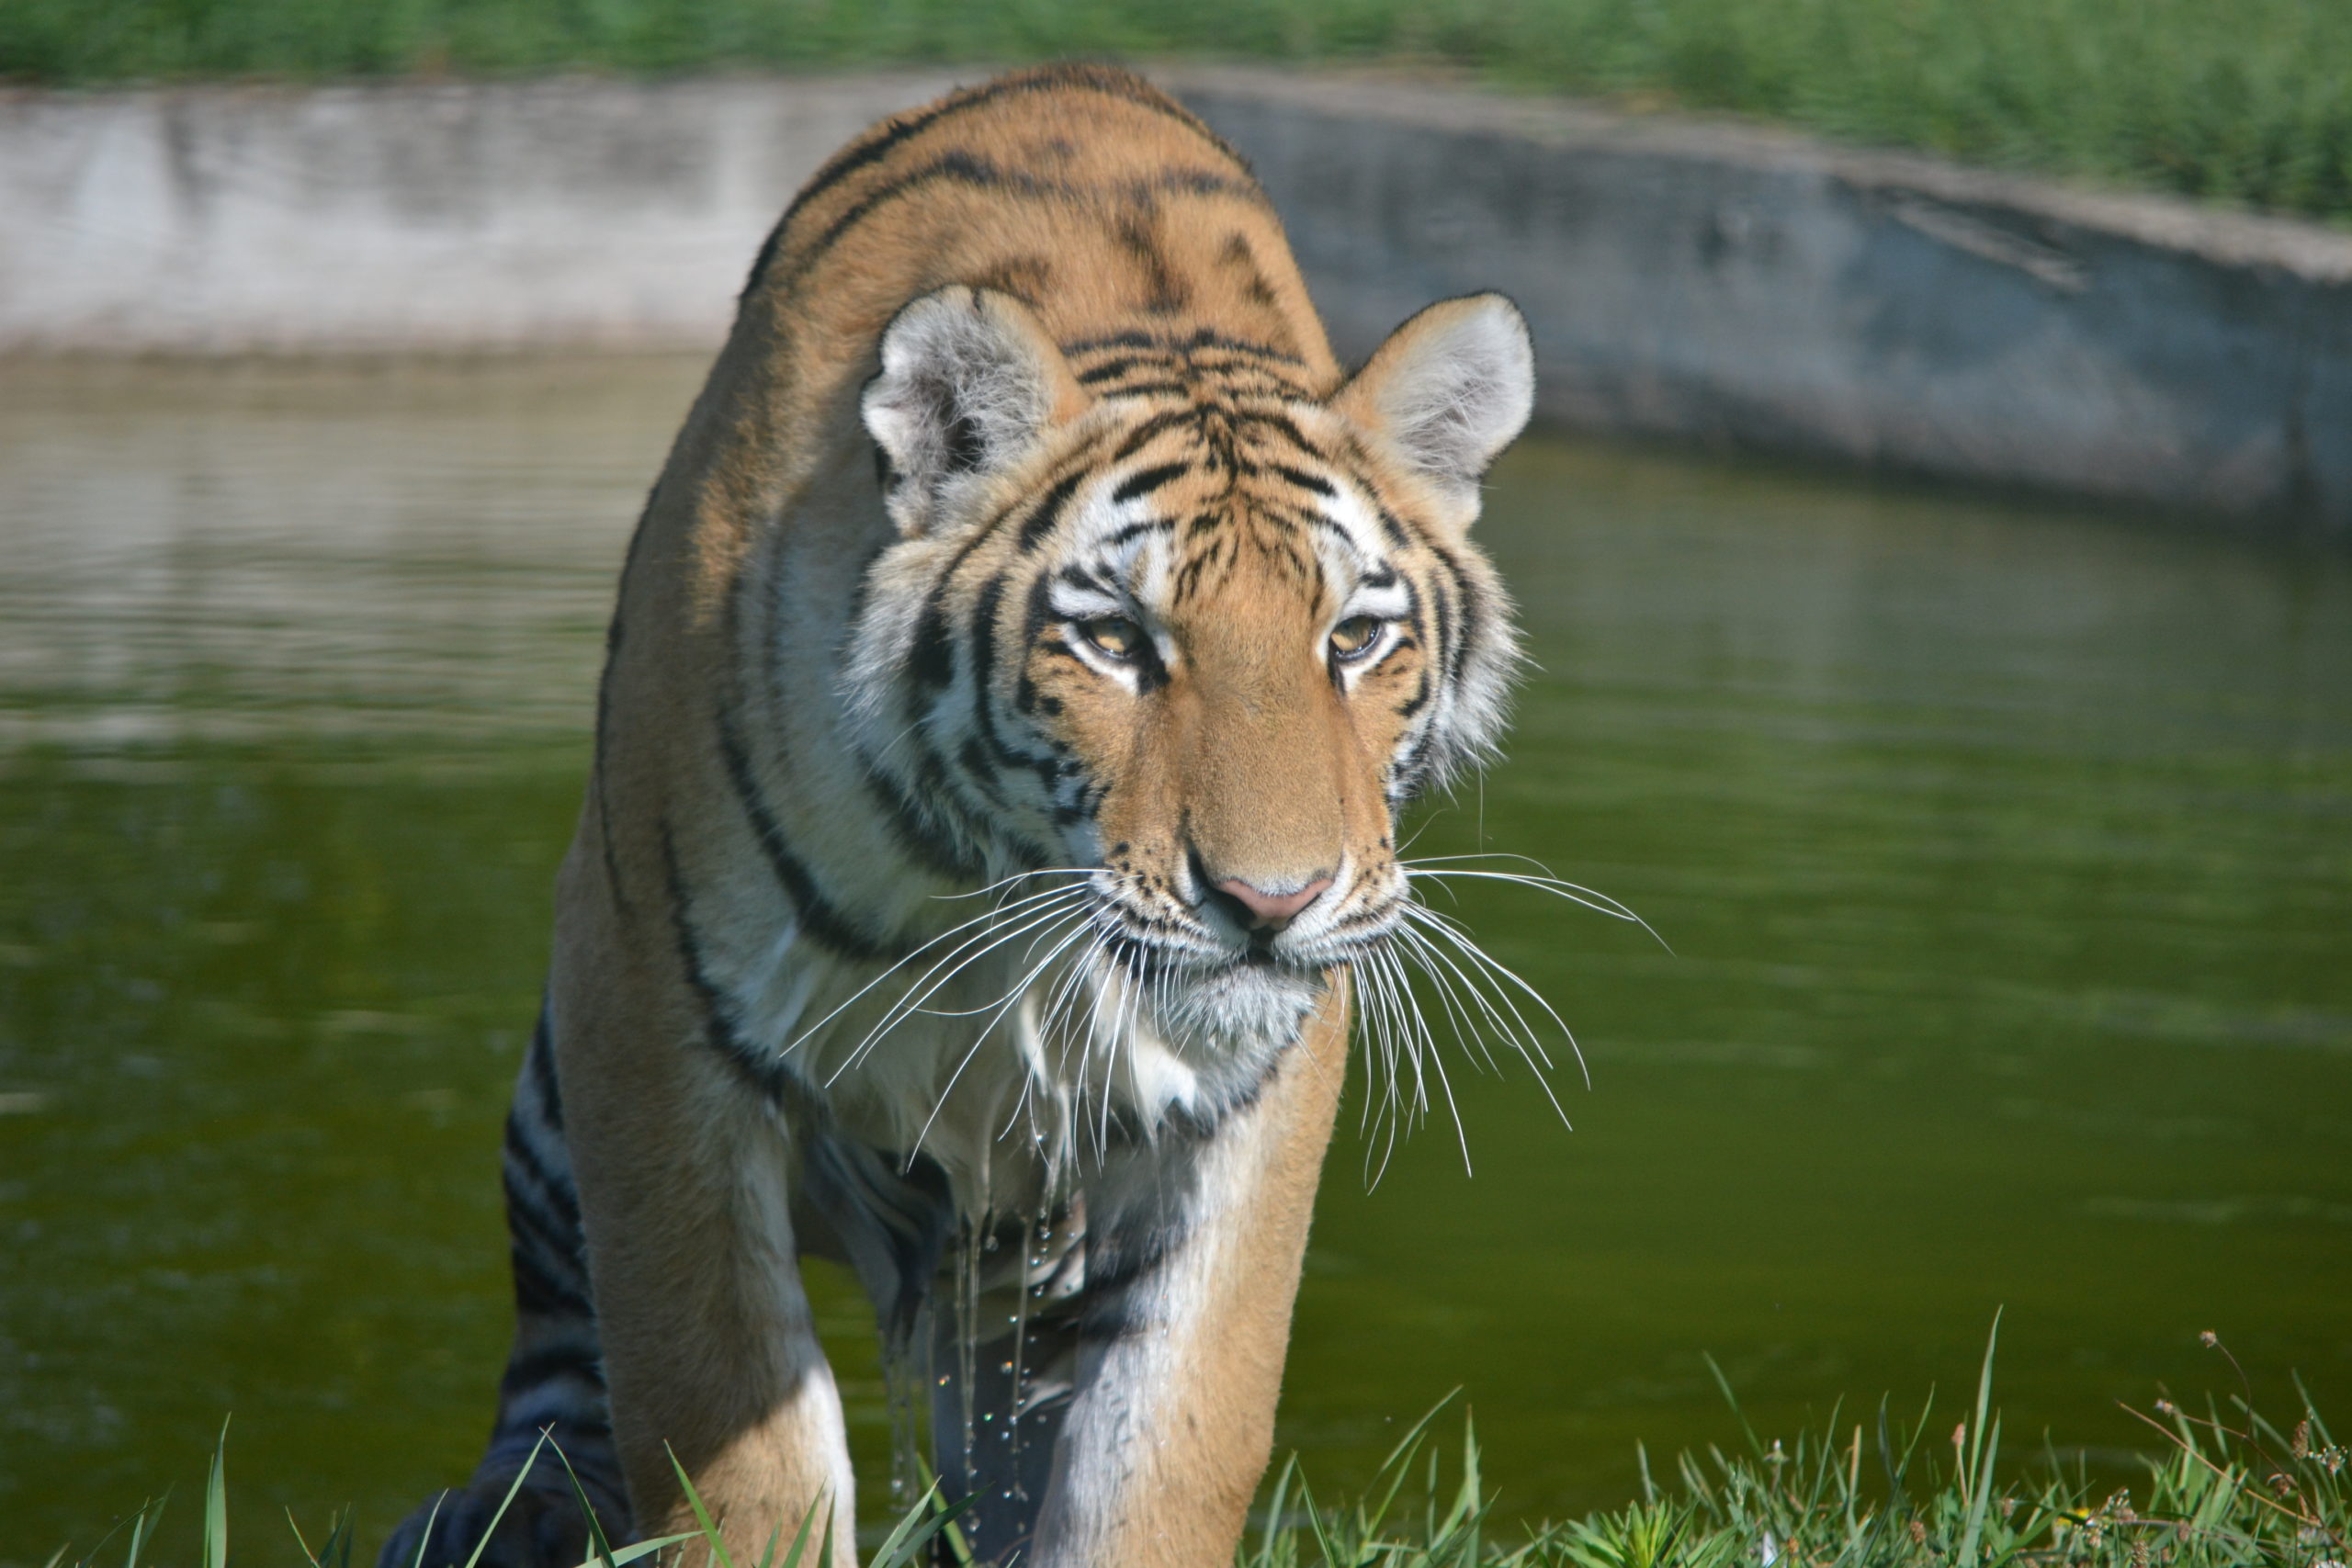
2243,101
2222,1489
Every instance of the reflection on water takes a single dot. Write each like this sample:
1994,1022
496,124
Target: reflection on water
2006,856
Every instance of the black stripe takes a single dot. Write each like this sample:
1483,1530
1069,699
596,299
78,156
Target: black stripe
1331,526
1142,434
1128,339
935,781
1305,481
1441,633
1421,697
540,1294
819,917
556,1360
1204,337
958,167
1468,610
1089,576
521,1160
917,834
762,1074
980,770
984,613
539,1062
1399,536
1149,525
543,1217
979,173
931,661
550,1283
1145,481
1162,389
1041,522
539,1195
552,1217
878,143
1165,292
1282,423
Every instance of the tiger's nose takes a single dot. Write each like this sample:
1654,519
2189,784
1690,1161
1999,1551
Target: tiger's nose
1271,911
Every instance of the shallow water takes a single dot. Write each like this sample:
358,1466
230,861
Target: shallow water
2006,856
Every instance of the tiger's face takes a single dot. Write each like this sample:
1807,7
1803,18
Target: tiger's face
1159,616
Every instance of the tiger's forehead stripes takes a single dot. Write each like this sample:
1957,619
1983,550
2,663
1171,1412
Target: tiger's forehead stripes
1200,508
1206,363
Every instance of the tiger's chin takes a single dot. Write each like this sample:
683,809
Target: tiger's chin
1246,1008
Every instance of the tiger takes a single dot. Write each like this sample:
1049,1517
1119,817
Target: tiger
1017,676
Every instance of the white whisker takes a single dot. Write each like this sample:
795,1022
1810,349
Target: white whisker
1600,903
925,989
994,914
1020,876
1012,998
1503,972
1517,1032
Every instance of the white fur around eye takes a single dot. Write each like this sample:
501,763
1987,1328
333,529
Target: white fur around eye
1389,602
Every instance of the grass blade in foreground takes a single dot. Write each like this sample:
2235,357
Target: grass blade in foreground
2228,1489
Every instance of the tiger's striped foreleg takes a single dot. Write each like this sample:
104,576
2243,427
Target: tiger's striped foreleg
554,1383
683,1164
1186,1322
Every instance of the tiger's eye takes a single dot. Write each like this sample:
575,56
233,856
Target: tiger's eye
1114,636
1353,638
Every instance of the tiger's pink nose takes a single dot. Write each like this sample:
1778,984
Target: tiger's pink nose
1273,910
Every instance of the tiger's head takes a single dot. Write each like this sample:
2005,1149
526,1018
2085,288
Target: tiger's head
1158,613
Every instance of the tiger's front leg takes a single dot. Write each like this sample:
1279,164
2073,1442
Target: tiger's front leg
1190,1287
711,1351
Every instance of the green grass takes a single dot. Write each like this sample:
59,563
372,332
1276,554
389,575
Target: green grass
2224,1489
2245,101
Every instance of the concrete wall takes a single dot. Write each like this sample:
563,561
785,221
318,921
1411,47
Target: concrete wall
227,220
1691,281
1748,290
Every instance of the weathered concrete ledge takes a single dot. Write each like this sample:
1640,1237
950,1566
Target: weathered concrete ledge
404,217
1686,281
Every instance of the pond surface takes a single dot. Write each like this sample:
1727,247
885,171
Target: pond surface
2006,855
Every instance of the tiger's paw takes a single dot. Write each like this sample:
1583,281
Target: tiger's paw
542,1528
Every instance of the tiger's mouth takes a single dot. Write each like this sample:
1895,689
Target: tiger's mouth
1235,1004
1150,963
1155,951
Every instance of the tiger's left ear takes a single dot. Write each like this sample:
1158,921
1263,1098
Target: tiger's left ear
1449,390
970,383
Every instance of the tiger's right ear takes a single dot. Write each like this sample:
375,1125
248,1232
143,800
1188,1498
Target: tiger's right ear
969,382
1448,391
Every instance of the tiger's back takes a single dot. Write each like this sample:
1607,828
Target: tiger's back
1083,192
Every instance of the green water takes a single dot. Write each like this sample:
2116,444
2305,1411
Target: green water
2006,855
